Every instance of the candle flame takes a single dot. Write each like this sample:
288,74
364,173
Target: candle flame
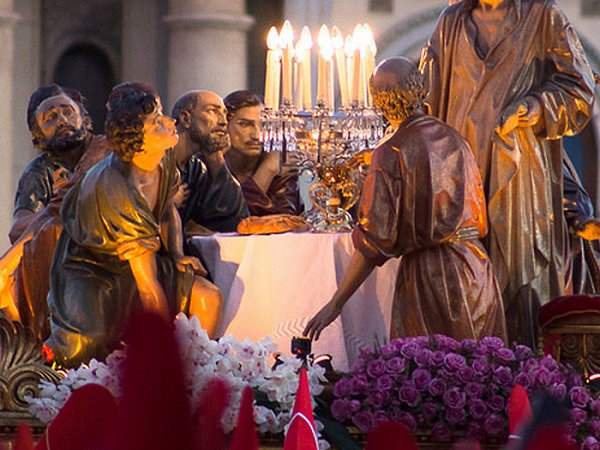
370,40
272,39
337,38
325,44
306,38
286,36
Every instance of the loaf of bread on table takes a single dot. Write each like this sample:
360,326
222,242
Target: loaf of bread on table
275,223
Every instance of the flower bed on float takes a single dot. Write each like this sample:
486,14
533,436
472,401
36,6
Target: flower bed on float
449,388
434,385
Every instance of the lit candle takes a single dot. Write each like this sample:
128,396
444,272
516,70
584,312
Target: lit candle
273,70
299,56
338,45
325,69
358,97
349,51
306,40
286,42
371,51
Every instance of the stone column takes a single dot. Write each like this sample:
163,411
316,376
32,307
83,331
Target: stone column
8,18
207,46
140,41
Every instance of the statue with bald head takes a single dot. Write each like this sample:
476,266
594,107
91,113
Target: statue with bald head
212,199
422,200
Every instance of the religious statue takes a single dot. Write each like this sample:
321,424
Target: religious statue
121,245
423,200
213,198
511,76
269,187
61,128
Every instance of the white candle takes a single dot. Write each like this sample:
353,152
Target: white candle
286,42
357,79
338,45
272,72
325,69
299,56
349,51
306,40
371,51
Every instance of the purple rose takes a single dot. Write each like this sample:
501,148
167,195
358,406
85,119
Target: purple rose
579,397
384,383
363,420
377,399
429,410
410,350
340,410
466,374
477,408
558,377
421,378
454,398
398,343
596,407
523,379
408,394
578,416
496,403
376,368
474,390
494,425
395,365
441,432
505,355
468,345
388,350
543,376
360,384
437,358
481,366
522,352
454,361
549,363
342,388
590,443
380,417
503,376
354,406
455,416
492,342
595,427
475,431
407,420
437,387
423,358
559,391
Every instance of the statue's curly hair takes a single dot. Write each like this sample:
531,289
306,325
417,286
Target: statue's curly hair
401,102
127,106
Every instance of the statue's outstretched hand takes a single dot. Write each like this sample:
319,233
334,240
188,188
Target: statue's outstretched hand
184,261
321,320
589,230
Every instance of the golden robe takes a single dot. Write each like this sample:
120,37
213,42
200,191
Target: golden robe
541,56
423,200
92,290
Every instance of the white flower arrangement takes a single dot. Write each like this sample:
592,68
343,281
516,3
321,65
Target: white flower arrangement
238,363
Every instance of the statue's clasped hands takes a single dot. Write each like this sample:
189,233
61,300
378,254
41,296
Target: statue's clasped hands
525,113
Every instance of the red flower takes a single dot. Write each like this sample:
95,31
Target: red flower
47,353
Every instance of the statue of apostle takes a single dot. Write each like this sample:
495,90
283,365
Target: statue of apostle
512,78
423,200
122,238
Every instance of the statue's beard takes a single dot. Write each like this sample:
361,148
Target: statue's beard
61,143
209,143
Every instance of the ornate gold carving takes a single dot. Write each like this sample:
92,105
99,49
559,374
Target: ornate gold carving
21,367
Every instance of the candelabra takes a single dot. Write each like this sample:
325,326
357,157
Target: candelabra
331,146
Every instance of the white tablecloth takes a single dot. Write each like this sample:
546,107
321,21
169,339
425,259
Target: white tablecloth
272,286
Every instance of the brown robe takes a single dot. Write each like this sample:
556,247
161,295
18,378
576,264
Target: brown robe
282,197
33,273
423,200
541,57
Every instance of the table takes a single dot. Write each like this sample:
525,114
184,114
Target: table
272,285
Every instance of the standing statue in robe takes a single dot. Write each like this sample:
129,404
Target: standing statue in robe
423,200
512,78
121,245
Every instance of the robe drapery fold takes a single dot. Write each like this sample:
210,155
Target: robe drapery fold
540,57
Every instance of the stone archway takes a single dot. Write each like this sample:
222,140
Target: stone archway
86,67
